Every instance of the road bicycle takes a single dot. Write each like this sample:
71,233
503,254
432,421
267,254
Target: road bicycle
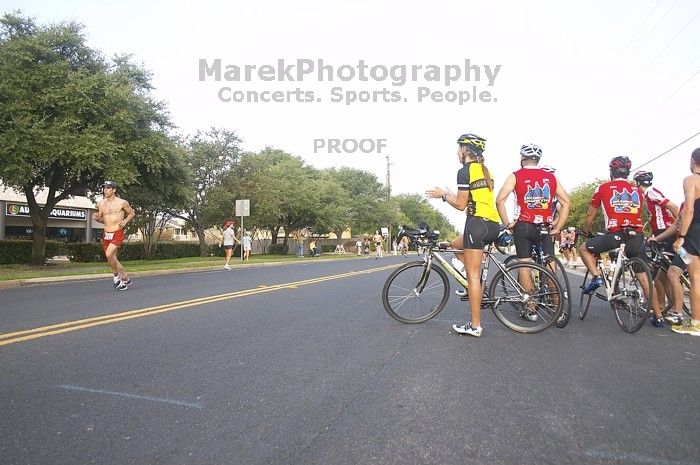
660,259
623,290
553,264
417,291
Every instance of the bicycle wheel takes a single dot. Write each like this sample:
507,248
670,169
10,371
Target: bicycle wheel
629,303
585,300
405,302
523,311
553,264
509,260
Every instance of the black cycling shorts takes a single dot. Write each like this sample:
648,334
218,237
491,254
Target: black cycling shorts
677,261
479,232
526,235
634,243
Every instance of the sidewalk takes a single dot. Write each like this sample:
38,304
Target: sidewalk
15,283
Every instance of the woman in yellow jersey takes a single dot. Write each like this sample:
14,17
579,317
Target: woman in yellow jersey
474,196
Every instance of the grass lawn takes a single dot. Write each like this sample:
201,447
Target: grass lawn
52,269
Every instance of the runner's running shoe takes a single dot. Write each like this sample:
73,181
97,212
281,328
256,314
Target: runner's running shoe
124,285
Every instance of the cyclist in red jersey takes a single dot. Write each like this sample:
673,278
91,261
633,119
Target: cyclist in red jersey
536,190
622,208
662,215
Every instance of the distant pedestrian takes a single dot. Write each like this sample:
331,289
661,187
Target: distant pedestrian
247,245
405,241
378,245
312,248
366,245
358,244
227,240
299,238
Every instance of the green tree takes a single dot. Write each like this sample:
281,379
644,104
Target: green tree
257,177
580,201
331,206
69,118
366,198
415,209
158,196
210,157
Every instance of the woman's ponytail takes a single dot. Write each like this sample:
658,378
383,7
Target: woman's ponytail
487,175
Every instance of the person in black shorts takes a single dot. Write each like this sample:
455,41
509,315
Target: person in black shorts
475,196
688,242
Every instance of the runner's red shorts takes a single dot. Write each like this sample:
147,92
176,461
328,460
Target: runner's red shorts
116,238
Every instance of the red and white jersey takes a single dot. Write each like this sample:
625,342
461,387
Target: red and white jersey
660,217
535,189
622,204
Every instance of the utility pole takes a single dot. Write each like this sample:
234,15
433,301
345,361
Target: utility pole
388,176
388,196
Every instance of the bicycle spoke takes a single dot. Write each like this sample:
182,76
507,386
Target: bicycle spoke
401,299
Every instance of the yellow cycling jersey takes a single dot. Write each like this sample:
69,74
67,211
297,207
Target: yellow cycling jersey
482,202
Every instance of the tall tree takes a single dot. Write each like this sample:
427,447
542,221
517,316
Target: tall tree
415,209
210,156
366,198
331,207
157,197
69,118
580,200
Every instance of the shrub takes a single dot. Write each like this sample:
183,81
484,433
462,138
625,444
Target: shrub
277,249
18,251
83,252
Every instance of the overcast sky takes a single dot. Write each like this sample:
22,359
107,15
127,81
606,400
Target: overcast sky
585,81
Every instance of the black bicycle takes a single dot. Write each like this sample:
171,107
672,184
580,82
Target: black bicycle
553,264
660,259
417,291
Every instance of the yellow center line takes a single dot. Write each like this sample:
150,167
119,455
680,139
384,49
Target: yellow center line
34,333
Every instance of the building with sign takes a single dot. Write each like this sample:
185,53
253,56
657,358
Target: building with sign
69,221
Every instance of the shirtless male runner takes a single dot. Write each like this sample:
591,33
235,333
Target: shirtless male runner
114,213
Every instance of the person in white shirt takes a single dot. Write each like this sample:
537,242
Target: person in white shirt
227,240
247,245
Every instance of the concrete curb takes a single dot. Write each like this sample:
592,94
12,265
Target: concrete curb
15,283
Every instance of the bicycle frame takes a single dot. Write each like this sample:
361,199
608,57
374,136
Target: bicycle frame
445,265
609,280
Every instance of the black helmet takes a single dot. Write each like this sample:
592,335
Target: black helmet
644,178
620,167
475,143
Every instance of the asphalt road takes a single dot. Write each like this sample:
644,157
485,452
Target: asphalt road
299,364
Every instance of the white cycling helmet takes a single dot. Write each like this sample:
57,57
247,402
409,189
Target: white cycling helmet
531,151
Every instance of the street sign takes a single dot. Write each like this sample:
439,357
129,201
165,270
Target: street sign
243,207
